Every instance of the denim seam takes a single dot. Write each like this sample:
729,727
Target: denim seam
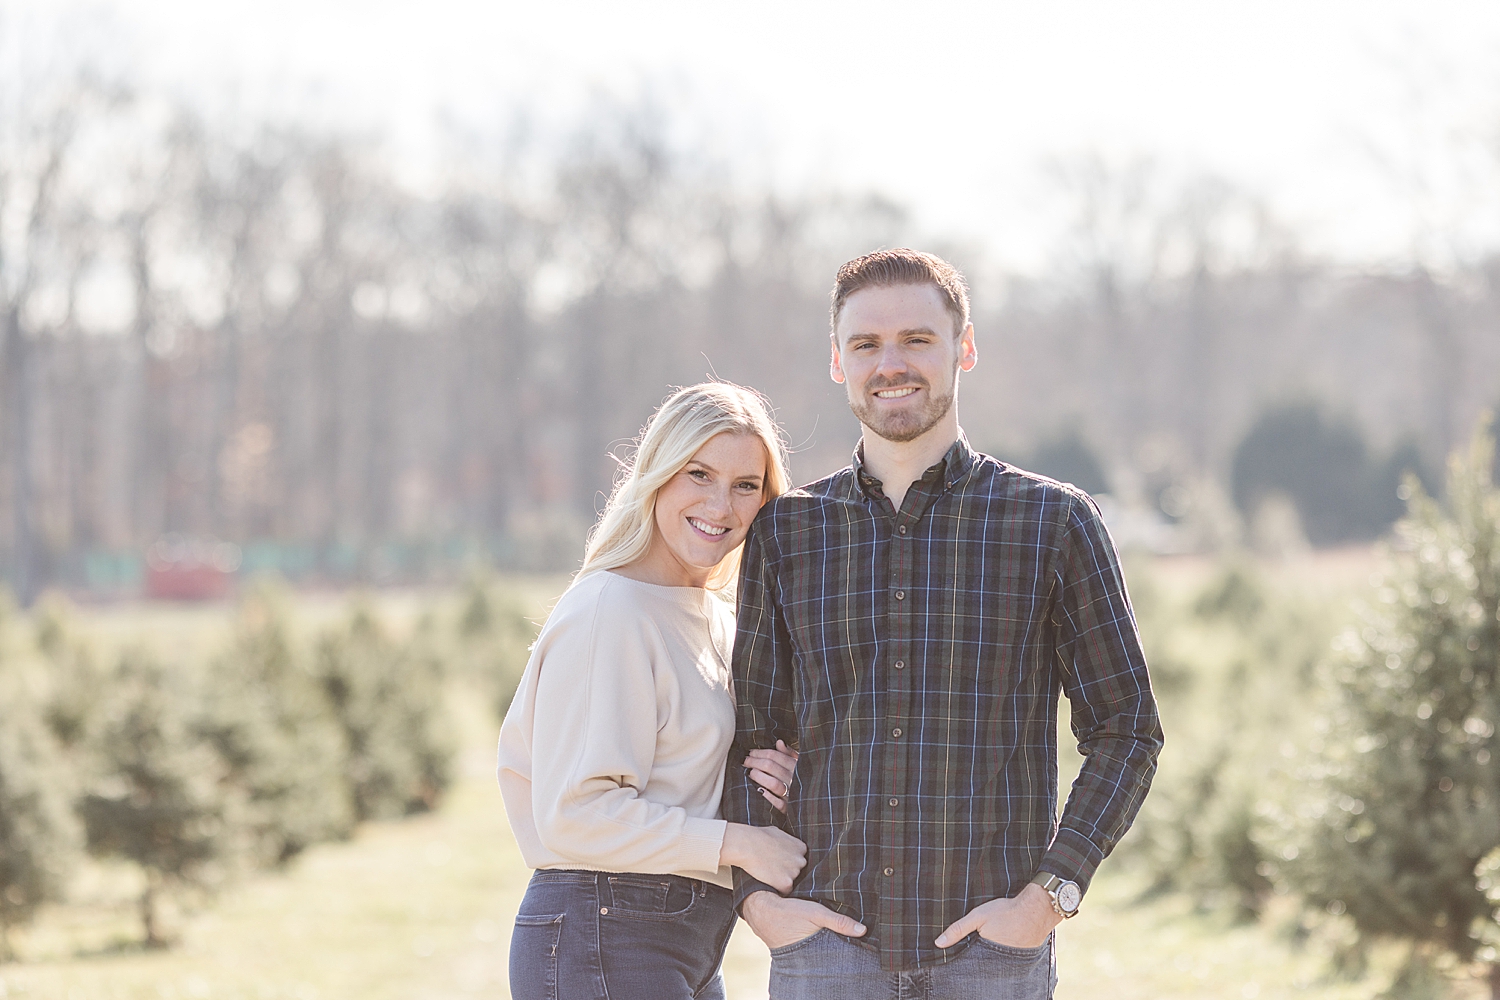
1011,950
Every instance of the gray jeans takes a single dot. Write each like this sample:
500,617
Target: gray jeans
829,966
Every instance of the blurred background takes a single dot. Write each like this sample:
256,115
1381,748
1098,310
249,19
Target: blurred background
362,293
323,325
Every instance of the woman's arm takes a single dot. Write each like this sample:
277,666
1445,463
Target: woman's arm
593,748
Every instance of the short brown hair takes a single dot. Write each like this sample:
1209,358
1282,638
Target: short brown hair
902,266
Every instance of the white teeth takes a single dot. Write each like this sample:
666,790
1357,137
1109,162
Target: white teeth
896,393
707,529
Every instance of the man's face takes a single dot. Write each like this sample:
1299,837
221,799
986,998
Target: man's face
895,352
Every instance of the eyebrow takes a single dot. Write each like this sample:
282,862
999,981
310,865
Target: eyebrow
900,333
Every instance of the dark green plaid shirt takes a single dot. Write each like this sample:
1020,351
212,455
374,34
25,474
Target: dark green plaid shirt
915,659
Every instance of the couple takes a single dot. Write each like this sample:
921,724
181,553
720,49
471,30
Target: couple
886,702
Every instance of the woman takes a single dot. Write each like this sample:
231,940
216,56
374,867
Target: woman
612,754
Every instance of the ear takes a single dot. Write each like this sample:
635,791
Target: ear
835,369
968,354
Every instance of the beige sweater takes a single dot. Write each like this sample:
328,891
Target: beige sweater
612,753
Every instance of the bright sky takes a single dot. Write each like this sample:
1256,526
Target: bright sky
949,107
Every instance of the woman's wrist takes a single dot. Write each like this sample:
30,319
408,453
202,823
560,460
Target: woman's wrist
737,837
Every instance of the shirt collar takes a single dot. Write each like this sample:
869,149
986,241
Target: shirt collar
944,474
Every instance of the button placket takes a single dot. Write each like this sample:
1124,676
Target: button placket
894,835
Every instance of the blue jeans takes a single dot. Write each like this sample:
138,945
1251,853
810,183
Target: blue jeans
829,966
608,936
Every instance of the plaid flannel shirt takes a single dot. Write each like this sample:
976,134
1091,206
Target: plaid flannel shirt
915,659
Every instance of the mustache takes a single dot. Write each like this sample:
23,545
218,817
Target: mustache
878,382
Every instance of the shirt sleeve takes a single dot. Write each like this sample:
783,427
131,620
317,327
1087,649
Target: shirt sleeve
1114,713
593,747
764,713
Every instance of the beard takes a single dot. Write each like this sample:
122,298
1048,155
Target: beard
905,425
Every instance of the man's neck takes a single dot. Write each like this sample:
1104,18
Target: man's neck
898,464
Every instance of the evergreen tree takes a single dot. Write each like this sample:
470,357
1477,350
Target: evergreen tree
266,715
38,835
1404,825
494,639
162,798
1232,668
388,699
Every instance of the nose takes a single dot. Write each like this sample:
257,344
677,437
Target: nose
892,361
718,501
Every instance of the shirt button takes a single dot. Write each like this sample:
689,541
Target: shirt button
890,871
896,733
900,664
900,595
895,802
902,529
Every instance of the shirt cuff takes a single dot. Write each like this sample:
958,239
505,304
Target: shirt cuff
745,885
1072,856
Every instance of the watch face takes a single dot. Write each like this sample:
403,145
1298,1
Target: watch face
1069,896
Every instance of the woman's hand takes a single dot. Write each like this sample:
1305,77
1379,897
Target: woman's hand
766,853
772,770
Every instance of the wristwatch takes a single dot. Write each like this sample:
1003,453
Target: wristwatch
1065,895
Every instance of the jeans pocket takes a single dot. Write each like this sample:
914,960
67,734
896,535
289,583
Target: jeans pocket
635,897
798,945
1028,968
533,956
630,894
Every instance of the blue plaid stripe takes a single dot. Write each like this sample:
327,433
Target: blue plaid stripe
915,658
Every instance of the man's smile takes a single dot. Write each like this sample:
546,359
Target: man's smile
895,393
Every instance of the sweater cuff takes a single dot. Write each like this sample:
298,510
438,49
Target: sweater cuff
702,842
1072,856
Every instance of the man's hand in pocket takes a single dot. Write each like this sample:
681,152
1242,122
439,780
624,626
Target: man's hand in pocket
1022,922
779,921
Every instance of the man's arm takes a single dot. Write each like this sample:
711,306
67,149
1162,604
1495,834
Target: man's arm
763,693
1114,713
1114,719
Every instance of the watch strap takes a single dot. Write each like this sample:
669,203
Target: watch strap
1052,883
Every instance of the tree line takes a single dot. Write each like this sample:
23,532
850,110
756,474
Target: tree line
255,332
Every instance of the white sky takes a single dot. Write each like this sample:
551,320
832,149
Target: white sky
948,107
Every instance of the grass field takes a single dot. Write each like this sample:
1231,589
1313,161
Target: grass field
420,909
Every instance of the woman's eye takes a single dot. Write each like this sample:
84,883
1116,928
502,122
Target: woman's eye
698,474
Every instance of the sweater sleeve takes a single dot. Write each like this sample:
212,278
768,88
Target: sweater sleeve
593,745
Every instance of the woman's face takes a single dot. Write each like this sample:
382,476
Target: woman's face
703,512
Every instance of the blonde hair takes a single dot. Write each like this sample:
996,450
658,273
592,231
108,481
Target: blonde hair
688,419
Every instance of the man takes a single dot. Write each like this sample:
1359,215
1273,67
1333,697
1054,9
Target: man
908,624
